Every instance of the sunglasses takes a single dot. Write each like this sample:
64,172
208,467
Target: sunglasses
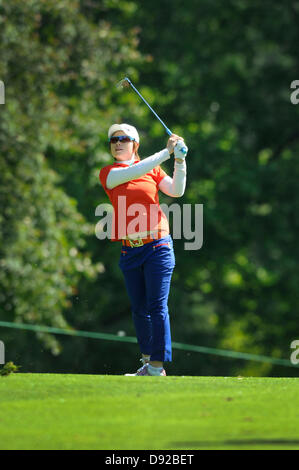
120,138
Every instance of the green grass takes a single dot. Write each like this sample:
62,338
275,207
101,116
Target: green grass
50,411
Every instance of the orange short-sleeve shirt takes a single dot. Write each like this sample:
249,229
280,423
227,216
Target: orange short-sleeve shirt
136,204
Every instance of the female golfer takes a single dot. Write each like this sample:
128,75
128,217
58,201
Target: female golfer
147,258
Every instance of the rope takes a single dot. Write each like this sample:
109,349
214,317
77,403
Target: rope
131,339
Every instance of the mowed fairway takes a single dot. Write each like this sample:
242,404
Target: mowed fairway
51,411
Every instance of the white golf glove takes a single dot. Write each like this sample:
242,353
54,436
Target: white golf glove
178,150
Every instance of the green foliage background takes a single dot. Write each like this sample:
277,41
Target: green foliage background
219,73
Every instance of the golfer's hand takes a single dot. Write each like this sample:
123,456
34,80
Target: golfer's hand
180,156
172,142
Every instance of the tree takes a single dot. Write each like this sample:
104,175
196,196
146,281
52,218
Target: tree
58,68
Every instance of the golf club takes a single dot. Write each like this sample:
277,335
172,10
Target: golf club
126,83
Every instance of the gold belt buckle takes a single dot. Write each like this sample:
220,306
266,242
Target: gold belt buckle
135,243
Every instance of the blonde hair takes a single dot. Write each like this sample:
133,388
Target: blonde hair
135,147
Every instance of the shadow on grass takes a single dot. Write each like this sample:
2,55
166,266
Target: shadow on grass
236,442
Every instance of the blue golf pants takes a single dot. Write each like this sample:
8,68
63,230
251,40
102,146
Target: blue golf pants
147,271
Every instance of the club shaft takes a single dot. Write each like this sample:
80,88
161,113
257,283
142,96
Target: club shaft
183,149
143,99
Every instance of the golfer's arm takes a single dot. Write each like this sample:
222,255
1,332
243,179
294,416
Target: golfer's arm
175,186
122,175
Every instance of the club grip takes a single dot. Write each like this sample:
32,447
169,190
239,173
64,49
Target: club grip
183,150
